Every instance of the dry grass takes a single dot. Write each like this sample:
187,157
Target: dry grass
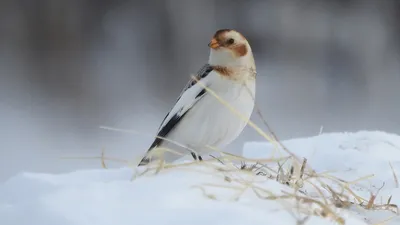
245,177
241,175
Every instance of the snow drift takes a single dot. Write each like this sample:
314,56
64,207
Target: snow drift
215,193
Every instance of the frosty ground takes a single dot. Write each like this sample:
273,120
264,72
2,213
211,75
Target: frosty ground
347,169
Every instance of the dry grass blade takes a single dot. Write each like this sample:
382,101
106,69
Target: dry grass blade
396,181
371,201
103,163
360,179
137,132
205,194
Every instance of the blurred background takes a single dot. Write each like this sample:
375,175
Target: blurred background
70,66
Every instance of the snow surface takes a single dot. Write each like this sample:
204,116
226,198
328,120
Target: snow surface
350,156
191,195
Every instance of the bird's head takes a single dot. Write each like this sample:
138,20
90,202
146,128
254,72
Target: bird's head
230,48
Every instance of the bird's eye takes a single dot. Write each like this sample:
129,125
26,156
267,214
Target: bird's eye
230,41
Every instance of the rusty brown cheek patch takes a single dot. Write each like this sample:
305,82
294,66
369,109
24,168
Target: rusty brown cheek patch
240,50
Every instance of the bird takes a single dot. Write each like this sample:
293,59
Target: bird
198,119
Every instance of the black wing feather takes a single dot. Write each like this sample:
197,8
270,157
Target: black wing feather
202,73
201,93
170,125
166,129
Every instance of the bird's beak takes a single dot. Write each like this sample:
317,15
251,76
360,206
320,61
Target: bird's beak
213,44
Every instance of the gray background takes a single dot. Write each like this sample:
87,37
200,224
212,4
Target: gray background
70,66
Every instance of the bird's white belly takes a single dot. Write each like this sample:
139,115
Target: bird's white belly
211,123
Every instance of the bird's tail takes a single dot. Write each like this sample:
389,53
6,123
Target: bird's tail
144,161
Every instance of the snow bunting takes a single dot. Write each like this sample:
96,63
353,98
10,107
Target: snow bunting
198,119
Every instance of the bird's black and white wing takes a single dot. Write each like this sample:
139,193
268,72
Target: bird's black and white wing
190,95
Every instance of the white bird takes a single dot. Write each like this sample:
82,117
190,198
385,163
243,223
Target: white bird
199,119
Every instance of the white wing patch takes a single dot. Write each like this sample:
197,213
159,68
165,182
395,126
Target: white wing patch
189,96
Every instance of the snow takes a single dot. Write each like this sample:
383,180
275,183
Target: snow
350,156
205,193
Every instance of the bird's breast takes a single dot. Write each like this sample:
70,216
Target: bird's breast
210,122
235,91
219,124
